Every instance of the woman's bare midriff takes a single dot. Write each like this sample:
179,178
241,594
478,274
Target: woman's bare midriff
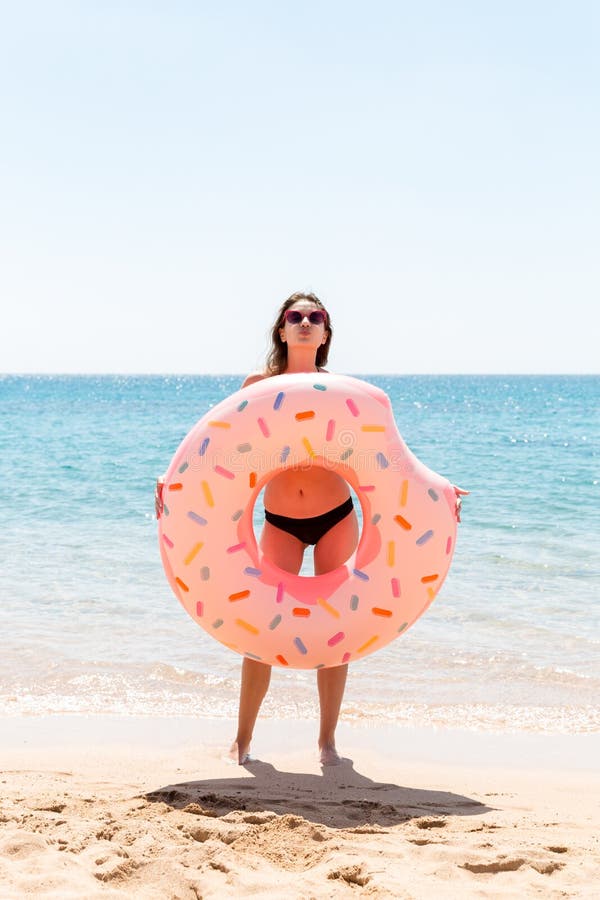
305,492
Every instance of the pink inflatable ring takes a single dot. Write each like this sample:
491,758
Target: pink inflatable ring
209,549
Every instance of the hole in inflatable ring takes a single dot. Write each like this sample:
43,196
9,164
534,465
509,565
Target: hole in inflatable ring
285,551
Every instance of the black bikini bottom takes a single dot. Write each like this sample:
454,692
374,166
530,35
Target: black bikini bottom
311,530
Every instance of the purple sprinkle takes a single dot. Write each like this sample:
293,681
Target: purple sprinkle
203,446
284,454
382,461
278,400
250,571
424,538
300,646
362,575
199,520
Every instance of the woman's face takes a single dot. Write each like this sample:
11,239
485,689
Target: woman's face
304,333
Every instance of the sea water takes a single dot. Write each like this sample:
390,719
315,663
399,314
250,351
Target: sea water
89,625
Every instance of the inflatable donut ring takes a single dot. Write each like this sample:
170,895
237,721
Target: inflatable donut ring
210,553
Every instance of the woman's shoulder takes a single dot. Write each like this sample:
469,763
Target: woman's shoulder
253,377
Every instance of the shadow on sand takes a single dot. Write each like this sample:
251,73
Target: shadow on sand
339,798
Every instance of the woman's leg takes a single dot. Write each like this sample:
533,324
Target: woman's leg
332,551
254,685
285,551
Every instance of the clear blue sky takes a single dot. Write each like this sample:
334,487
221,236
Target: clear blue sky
169,172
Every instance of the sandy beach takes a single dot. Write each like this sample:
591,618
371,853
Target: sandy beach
151,808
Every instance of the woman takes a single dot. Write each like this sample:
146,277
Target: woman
307,505
303,506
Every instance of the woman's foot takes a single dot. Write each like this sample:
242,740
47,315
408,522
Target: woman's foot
328,755
239,755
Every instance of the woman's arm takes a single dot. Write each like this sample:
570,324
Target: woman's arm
158,496
459,495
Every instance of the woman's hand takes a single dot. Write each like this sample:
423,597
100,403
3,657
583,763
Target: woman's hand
459,495
158,496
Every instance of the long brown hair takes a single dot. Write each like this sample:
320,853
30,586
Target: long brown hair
278,352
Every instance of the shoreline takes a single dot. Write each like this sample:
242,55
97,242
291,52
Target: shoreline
151,808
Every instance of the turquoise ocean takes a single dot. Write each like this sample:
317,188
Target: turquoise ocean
89,624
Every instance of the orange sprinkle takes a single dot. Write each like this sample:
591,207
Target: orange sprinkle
308,447
216,424
426,578
308,414
401,521
252,479
207,493
391,553
176,487
193,552
368,643
247,626
404,493
301,612
328,608
239,596
372,427
377,611
281,659
182,584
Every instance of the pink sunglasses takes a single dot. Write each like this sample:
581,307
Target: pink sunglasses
316,317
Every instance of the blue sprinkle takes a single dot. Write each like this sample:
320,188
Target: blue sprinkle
253,656
237,514
204,573
424,538
217,623
347,453
354,602
244,448
278,400
402,627
182,468
300,646
433,494
166,509
274,622
203,446
199,520
382,461
362,575
284,454
319,387
375,519
242,405
250,571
